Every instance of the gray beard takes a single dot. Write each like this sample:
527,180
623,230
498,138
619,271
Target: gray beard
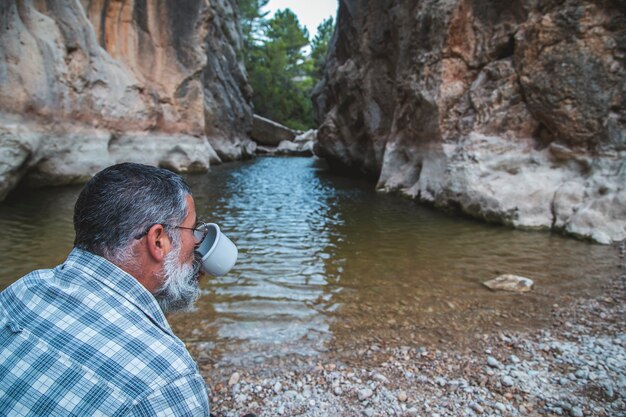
180,288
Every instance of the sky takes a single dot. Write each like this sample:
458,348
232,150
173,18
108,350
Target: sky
310,12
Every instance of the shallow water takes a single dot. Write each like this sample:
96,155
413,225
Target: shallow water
325,259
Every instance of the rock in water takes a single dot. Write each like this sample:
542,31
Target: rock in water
509,282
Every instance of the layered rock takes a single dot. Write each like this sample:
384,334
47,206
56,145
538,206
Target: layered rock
87,84
301,145
270,133
227,94
512,112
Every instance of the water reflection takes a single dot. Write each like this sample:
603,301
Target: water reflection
36,229
324,256
281,217
325,259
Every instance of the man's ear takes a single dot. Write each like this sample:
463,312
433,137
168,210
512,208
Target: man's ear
158,243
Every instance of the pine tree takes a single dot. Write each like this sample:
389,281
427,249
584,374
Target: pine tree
281,74
319,46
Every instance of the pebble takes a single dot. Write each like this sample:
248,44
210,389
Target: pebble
369,412
476,407
514,359
412,412
576,412
402,397
234,378
582,374
507,381
241,398
493,362
500,407
278,387
381,378
364,394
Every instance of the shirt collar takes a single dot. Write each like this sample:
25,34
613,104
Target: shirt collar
122,283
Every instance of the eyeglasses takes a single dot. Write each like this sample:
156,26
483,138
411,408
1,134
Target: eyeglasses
199,231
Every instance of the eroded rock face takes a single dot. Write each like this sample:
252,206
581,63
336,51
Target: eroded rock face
84,84
227,94
513,112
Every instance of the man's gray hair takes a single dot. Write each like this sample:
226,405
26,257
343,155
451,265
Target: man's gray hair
120,203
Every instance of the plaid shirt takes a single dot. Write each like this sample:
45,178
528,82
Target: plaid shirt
85,338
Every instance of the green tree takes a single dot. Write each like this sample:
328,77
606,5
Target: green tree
278,73
281,74
252,21
319,46
285,32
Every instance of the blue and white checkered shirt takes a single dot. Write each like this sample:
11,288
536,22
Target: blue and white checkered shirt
84,339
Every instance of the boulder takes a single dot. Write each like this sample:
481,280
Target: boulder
294,148
302,145
509,282
268,132
310,136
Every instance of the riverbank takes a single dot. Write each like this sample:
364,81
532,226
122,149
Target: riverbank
574,366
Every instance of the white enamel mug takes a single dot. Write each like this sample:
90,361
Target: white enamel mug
219,253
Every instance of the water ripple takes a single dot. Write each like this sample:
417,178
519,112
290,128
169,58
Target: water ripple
319,257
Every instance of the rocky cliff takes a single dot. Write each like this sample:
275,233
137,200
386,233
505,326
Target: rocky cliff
513,112
85,84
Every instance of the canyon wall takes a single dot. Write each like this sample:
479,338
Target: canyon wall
512,112
85,84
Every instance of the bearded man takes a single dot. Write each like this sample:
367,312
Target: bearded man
90,337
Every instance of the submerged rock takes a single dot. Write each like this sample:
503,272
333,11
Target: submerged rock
509,282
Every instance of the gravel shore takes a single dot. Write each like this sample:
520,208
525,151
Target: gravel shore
575,367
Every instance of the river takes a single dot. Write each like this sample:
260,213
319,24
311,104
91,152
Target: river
325,260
